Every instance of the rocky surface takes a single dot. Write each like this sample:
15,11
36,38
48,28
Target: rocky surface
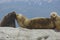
8,33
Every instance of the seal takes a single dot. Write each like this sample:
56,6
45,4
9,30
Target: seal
34,23
56,18
9,20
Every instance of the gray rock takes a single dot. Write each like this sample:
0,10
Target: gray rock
9,33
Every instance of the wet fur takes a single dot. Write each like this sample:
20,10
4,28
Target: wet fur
56,19
9,20
34,23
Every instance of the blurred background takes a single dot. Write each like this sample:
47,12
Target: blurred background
29,8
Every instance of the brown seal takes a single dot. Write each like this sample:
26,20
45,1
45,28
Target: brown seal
9,20
34,23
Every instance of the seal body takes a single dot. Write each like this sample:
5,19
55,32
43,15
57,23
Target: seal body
34,23
41,23
9,20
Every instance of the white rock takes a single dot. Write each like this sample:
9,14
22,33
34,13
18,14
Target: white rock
9,33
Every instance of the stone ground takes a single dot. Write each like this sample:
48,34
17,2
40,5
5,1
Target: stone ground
9,33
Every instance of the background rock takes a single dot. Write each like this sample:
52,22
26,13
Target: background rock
9,33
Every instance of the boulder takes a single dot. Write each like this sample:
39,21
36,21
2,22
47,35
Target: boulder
9,33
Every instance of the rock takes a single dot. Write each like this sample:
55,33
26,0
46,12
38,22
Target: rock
9,33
